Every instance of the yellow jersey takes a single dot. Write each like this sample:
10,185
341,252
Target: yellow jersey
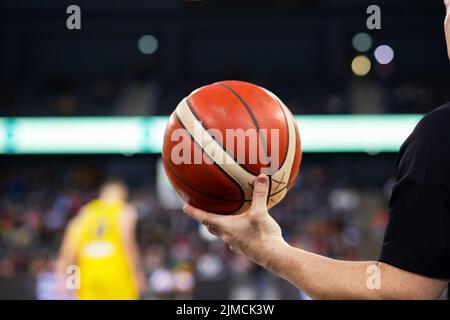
105,270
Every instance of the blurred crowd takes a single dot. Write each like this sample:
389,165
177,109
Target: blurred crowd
144,92
182,260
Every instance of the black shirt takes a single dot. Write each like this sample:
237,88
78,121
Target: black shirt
417,237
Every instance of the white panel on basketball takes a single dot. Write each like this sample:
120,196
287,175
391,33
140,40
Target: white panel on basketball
281,178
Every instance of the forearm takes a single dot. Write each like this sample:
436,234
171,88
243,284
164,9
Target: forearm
324,278
318,276
257,235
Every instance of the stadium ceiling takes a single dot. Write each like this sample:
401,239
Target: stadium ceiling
140,135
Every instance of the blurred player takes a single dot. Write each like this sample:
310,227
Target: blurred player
101,241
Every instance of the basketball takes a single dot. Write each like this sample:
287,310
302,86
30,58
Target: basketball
221,137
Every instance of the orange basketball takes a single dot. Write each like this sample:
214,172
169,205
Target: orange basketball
221,137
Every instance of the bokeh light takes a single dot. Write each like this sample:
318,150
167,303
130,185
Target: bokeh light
362,42
361,65
148,44
384,54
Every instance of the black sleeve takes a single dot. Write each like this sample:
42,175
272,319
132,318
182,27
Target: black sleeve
417,237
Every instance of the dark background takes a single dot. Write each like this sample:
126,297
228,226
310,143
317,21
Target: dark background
299,49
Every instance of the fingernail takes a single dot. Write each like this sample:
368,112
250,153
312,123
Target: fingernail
185,208
262,179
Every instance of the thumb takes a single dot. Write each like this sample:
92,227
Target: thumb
260,192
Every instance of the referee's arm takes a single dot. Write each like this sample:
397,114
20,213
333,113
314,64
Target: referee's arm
324,278
256,235
415,258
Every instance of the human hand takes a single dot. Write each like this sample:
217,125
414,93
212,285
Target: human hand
253,233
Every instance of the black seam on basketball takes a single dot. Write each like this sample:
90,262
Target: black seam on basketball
278,192
285,156
287,129
281,182
252,116
241,191
198,191
270,189
295,155
189,104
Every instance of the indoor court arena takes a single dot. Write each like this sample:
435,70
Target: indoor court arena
93,92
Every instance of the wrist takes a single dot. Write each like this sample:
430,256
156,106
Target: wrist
271,253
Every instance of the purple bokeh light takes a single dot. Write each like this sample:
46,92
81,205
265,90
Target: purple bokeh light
384,54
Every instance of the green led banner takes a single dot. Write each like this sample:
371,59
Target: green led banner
90,135
355,133
131,135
